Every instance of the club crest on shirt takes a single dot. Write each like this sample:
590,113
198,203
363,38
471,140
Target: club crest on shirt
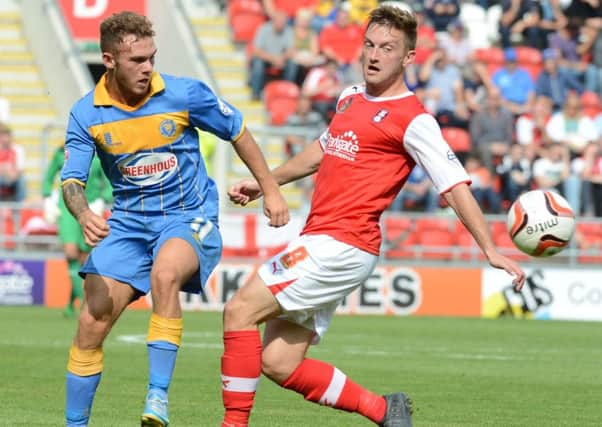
344,104
167,128
378,117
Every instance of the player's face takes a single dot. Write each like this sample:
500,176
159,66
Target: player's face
384,58
132,67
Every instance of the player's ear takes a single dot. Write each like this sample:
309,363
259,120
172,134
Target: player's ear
408,58
108,59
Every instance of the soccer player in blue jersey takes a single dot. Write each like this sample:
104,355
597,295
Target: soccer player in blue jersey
163,233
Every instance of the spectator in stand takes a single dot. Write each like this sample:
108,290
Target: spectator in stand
515,173
273,47
477,83
582,12
541,19
564,42
12,165
417,193
531,126
456,44
592,175
590,46
342,41
442,12
571,127
290,8
519,24
426,39
444,90
515,84
324,14
482,185
306,50
554,82
552,171
491,130
309,122
323,85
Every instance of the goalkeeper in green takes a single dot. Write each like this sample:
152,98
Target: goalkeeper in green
98,193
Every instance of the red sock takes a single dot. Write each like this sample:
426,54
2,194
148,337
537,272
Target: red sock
241,368
324,384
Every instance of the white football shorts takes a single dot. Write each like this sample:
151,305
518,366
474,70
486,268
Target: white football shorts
311,277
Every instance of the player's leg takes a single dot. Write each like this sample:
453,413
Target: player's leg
71,252
105,300
241,361
175,264
283,361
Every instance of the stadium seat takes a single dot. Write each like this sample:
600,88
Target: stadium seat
280,97
431,223
468,248
244,25
502,240
399,237
474,19
7,228
457,138
492,57
589,242
530,59
237,7
590,104
435,244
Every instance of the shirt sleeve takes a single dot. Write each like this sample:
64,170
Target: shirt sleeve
424,142
212,114
79,152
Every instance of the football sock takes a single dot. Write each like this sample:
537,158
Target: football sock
83,376
76,282
322,383
163,341
241,369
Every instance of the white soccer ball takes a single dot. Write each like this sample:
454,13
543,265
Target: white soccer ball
541,223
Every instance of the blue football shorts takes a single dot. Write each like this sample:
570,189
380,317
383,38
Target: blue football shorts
128,252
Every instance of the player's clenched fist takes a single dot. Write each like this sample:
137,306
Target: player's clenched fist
94,227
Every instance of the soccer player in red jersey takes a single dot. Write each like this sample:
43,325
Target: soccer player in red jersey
378,134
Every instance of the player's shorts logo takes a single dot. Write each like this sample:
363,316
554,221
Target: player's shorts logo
148,168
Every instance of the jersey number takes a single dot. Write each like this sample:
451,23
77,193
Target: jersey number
289,259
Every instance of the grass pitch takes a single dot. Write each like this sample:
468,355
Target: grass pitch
460,372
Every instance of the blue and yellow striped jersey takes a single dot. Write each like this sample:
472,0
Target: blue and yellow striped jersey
150,152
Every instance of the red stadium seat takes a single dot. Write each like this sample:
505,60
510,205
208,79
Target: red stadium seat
468,248
280,97
436,244
250,7
431,223
492,57
399,236
457,138
244,25
7,227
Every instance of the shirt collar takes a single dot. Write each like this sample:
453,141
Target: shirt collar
102,97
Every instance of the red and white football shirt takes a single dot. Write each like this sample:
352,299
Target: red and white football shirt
370,148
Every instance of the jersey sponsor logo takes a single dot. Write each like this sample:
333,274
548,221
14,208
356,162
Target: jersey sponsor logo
223,107
148,168
167,128
344,104
344,146
451,156
378,117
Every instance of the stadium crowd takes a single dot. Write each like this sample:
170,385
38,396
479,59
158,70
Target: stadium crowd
521,111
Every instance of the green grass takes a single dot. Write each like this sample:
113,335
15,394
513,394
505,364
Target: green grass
460,372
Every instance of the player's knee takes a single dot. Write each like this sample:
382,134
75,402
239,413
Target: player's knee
275,367
235,315
164,278
94,323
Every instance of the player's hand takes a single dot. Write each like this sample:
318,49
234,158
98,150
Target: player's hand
94,227
276,209
497,260
244,192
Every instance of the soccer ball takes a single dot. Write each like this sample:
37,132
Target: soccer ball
541,223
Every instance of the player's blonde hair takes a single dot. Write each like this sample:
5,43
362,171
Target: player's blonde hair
398,18
116,27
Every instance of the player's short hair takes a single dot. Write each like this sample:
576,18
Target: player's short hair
398,18
116,27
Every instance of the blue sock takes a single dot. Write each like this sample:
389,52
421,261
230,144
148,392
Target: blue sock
161,363
80,393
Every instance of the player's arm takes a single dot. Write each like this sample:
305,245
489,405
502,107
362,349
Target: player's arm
301,165
79,152
275,206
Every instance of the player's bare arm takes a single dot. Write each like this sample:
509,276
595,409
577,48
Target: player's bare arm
275,207
468,211
301,165
94,227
